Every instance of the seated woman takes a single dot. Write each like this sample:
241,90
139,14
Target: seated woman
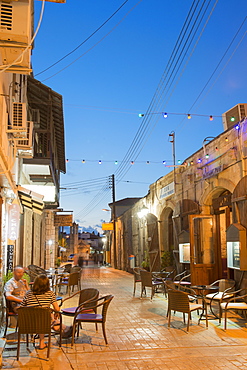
41,295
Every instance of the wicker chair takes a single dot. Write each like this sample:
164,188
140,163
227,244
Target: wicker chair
179,301
34,270
237,301
8,313
148,281
72,281
35,320
137,277
226,286
81,316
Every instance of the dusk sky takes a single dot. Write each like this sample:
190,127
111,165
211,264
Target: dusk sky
122,58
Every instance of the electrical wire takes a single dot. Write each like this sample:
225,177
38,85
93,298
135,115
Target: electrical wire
32,40
97,43
83,42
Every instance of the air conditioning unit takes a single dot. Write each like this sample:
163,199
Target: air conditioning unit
15,35
234,115
18,120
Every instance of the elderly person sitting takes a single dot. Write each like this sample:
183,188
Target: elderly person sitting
16,288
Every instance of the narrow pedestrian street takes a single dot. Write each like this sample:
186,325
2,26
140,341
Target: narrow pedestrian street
138,336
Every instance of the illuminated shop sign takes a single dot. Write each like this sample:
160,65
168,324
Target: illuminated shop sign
167,190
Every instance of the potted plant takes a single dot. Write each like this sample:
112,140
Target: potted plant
167,259
146,262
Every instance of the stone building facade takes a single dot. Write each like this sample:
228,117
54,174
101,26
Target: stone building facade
197,210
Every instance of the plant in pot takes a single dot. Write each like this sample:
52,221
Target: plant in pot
167,259
146,262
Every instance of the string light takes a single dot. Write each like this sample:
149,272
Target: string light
232,119
148,162
83,161
226,139
237,127
164,162
165,115
189,116
67,160
207,156
132,162
199,160
211,118
116,162
140,115
179,161
100,162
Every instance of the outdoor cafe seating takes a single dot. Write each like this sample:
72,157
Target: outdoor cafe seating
82,315
148,281
180,301
224,289
236,301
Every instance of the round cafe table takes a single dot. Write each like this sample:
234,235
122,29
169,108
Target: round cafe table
202,289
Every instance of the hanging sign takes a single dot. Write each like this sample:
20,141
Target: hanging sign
14,221
107,226
63,220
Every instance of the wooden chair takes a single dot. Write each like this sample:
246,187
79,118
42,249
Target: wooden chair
148,281
8,313
81,315
35,320
237,302
179,301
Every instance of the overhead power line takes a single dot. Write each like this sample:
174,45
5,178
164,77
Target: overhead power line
84,41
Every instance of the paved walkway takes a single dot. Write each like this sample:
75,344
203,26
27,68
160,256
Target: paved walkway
138,336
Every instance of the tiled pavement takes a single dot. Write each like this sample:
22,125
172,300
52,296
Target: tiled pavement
138,336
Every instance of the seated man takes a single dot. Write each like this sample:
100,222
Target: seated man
16,288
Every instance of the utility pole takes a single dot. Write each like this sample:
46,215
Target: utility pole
114,240
172,140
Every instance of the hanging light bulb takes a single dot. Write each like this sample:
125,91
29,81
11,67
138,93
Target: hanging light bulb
67,160
207,156
232,119
179,161
165,115
100,162
189,116
226,139
199,160
237,127
147,162
140,115
164,162
211,118
83,161
116,162
132,162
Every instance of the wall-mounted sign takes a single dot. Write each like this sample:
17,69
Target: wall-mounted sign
167,190
107,226
214,171
14,221
63,220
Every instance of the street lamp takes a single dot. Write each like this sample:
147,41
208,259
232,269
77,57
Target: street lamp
143,212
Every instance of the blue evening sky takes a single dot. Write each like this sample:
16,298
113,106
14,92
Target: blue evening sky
117,73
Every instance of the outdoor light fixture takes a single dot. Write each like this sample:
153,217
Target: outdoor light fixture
189,116
100,162
199,160
165,115
232,119
237,127
207,156
164,162
210,118
143,212
141,115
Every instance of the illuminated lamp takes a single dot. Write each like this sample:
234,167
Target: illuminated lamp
100,162
226,139
147,162
132,162
140,115
165,115
232,119
207,156
210,118
237,127
189,116
216,148
164,162
116,162
83,161
179,161
191,163
199,160
67,160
